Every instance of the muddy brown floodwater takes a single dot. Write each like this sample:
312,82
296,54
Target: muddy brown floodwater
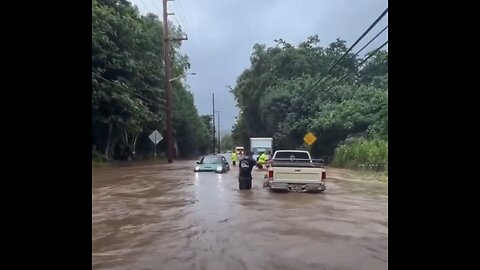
168,217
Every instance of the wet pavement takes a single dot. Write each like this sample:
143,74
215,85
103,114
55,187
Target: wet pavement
168,217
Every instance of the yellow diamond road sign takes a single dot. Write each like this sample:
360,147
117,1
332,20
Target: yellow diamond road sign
309,138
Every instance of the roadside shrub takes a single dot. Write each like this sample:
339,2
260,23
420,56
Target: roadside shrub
96,156
362,153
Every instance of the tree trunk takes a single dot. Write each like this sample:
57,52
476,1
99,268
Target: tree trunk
134,149
109,137
131,144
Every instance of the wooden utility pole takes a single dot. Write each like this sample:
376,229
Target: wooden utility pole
168,86
213,123
219,138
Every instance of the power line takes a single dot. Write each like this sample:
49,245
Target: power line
368,43
177,21
157,7
145,6
371,40
359,51
178,6
359,65
174,17
351,47
129,90
373,53
158,10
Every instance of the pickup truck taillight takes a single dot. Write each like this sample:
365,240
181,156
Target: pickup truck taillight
324,176
270,175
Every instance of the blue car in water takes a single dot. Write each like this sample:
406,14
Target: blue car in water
212,163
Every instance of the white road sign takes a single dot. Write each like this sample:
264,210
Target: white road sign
156,137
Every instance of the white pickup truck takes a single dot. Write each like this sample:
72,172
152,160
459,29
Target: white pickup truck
295,170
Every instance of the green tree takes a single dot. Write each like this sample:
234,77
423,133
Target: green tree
278,96
128,80
227,142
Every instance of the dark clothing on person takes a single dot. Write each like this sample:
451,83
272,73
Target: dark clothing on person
245,175
244,182
246,166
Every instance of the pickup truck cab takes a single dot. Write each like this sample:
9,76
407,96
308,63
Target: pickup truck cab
295,170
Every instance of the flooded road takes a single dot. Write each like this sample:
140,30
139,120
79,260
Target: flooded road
168,217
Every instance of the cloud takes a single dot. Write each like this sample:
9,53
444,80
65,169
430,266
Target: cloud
221,35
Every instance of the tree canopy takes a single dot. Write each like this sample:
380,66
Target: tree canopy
128,80
278,98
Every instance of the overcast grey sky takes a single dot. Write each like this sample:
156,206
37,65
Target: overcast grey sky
221,35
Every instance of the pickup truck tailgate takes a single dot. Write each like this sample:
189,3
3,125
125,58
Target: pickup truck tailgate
297,175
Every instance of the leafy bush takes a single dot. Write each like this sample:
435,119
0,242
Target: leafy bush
361,152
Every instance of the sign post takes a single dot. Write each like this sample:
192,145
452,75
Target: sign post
309,139
155,137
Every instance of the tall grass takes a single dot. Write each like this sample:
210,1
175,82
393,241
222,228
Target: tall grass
98,157
362,153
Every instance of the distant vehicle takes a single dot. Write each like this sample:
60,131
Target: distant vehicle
212,163
261,145
295,170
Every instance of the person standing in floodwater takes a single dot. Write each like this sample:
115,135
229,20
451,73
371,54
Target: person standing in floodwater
234,158
245,172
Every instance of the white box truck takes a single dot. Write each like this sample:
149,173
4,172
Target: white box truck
261,145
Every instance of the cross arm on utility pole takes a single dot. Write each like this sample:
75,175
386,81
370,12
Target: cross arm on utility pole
179,39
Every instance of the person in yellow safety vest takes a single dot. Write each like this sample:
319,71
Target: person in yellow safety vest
262,159
234,158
